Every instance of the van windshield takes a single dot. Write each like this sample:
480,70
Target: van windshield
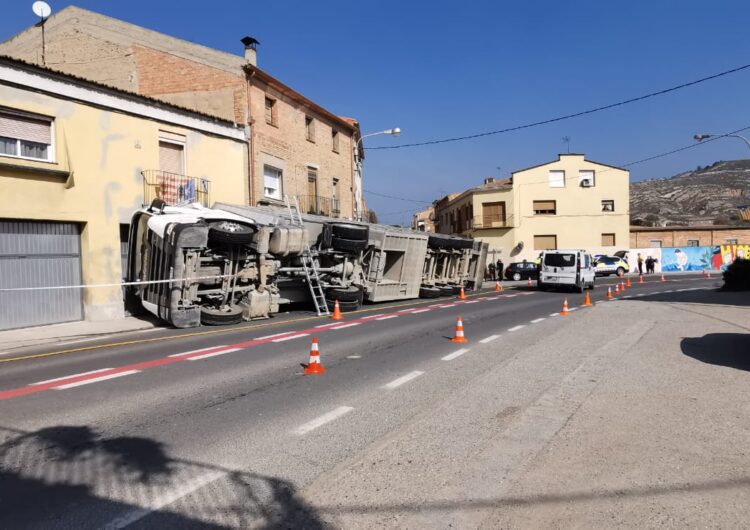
560,260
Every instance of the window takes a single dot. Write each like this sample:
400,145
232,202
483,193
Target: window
493,214
560,260
545,208
272,182
655,243
271,117
586,178
545,242
335,196
556,178
608,240
335,141
730,241
693,242
310,129
608,205
26,136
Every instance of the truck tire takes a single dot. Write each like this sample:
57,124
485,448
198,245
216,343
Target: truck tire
348,245
456,289
429,292
446,290
353,232
211,316
348,294
230,233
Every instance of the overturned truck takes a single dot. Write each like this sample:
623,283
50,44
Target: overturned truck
192,265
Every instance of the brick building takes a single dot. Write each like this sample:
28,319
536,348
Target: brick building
295,146
688,236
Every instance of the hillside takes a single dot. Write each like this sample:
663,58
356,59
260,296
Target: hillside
705,196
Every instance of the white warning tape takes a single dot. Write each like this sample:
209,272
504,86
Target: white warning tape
121,284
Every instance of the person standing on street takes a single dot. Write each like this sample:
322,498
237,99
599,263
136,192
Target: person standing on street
640,264
499,269
491,268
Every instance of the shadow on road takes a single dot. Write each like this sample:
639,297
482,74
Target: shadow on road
70,476
714,295
722,349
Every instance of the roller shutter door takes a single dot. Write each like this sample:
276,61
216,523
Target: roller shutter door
39,254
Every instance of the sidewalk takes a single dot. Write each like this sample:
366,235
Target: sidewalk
14,340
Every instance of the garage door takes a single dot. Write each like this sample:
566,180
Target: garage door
39,254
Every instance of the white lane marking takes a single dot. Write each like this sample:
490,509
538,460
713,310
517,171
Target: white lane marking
515,328
342,326
387,317
406,310
471,302
196,351
455,354
446,305
489,339
275,335
537,320
373,316
290,337
160,501
628,296
641,294
553,314
403,379
572,309
353,356
212,354
420,311
492,298
70,376
322,420
669,291
681,290
317,327
509,295
96,379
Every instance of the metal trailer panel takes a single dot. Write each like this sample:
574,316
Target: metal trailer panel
397,264
39,254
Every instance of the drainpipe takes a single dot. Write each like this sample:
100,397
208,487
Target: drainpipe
250,139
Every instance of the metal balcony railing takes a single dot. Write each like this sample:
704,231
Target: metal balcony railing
174,188
315,204
491,221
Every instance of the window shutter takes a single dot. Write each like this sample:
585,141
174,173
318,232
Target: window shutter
170,158
28,129
544,205
556,178
545,242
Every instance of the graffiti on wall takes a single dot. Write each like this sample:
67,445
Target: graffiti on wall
686,259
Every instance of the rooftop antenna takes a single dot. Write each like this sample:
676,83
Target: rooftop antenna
566,139
43,11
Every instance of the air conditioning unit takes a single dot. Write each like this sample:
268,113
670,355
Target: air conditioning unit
586,183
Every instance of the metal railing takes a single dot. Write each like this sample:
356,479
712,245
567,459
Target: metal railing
315,204
491,221
174,188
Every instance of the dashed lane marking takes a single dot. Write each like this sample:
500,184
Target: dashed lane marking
70,376
291,337
554,314
342,326
264,337
211,348
572,309
212,354
402,380
537,320
387,317
455,354
515,328
322,420
419,311
472,301
97,379
489,339
353,356
368,317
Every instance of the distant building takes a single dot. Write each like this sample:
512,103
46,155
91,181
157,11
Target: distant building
424,221
567,203
688,236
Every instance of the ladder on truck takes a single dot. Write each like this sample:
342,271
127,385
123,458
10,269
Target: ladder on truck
308,263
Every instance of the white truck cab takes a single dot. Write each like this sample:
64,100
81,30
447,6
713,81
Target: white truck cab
567,268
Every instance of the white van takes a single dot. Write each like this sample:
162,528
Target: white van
566,268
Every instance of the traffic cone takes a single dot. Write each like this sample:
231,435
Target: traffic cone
587,300
622,286
629,284
498,287
459,337
609,293
462,295
617,288
565,308
708,274
663,279
640,278
528,282
314,367
337,312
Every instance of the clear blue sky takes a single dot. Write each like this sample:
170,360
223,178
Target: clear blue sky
440,69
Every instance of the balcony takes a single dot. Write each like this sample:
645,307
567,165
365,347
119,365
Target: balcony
491,221
317,205
174,188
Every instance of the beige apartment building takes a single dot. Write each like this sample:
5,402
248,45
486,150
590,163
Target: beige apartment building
568,203
424,221
77,159
295,146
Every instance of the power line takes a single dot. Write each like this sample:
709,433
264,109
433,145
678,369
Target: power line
568,116
395,198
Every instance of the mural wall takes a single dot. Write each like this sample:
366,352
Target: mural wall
689,259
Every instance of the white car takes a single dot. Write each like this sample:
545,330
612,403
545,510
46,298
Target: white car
567,268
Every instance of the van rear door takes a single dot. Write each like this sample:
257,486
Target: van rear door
560,268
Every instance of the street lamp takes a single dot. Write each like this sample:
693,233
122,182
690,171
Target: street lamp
358,169
700,137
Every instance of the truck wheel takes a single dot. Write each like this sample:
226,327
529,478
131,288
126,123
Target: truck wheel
348,245
446,290
429,292
456,289
211,316
230,233
348,294
353,232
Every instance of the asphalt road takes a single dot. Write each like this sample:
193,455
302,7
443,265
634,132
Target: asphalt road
218,427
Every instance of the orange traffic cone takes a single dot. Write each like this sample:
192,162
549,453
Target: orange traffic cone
459,337
662,279
617,288
565,308
529,283
498,287
622,286
314,367
629,284
587,300
640,278
609,293
462,295
337,312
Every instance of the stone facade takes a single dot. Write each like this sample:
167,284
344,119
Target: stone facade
685,236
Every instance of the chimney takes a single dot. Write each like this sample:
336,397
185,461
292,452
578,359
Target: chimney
489,180
250,52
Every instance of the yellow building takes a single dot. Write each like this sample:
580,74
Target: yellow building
568,203
76,159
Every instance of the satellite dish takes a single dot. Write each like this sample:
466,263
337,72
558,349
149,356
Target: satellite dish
41,9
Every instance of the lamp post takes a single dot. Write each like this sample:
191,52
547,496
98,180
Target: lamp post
358,169
700,137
